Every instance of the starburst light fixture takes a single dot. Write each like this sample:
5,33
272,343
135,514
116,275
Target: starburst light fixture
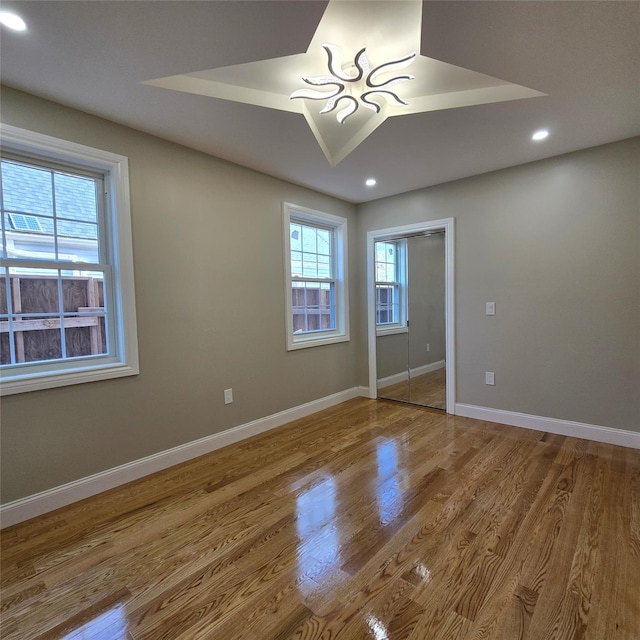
361,94
357,84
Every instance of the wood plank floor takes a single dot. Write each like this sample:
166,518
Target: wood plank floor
370,520
428,389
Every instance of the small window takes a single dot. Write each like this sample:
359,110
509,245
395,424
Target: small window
315,273
66,284
390,276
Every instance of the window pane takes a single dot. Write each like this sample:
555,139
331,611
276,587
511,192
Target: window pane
78,241
26,189
5,352
37,338
35,319
70,229
296,237
3,290
387,305
82,294
309,239
34,330
28,244
30,223
309,265
324,242
296,263
391,273
85,335
386,261
315,259
76,198
313,306
35,292
324,266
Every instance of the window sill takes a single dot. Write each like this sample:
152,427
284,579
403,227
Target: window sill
36,382
302,342
390,331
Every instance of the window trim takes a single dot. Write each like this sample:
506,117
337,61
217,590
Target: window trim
124,360
392,328
292,212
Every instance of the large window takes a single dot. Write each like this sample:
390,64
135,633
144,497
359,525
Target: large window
316,273
390,278
66,285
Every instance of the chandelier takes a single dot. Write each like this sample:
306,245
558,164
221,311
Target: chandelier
356,84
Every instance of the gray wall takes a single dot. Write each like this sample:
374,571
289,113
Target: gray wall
207,244
556,245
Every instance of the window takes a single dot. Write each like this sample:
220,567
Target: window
390,274
67,311
315,259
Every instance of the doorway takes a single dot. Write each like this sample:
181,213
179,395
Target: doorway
411,314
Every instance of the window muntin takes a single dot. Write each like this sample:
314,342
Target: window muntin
315,259
67,311
390,281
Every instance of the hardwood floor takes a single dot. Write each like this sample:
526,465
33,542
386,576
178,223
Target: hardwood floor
369,520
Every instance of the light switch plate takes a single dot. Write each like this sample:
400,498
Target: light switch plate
490,309
489,377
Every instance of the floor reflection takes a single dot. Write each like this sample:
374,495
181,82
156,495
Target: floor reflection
390,481
319,548
111,625
422,572
377,628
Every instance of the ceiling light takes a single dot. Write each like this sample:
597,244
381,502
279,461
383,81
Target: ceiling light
540,135
12,21
356,83
371,182
363,88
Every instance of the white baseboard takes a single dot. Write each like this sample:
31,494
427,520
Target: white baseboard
427,368
45,501
608,435
404,375
394,379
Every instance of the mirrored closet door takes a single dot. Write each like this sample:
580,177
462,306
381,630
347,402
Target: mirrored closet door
410,319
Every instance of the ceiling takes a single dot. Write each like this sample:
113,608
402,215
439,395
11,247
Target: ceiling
95,55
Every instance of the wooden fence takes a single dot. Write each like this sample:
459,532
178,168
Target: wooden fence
37,339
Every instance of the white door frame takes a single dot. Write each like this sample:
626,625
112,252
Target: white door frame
446,225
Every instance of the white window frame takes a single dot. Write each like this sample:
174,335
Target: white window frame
401,274
338,225
123,357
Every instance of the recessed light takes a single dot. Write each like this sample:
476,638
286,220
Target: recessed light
370,182
540,135
12,21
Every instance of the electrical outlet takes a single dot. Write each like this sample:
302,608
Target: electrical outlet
428,347
228,396
489,377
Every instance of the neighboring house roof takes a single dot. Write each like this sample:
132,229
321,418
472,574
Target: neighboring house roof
29,191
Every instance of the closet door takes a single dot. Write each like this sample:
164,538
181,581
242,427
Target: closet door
426,314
